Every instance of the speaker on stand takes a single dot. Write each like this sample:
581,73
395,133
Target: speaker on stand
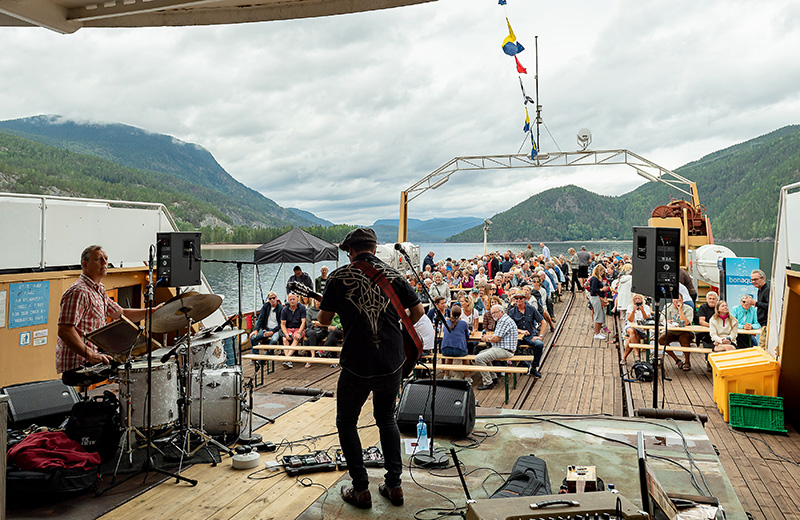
656,259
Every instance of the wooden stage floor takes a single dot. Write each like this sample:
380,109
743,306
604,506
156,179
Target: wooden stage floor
580,376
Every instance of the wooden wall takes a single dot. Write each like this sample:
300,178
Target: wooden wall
37,362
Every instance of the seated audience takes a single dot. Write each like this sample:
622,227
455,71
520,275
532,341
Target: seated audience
746,315
635,314
723,328
268,326
675,314
293,326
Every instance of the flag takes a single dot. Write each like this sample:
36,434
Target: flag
527,126
534,148
501,2
510,45
520,68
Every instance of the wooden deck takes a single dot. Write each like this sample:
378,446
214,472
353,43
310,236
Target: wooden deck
580,376
767,486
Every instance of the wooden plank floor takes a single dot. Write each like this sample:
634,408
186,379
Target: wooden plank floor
580,376
766,485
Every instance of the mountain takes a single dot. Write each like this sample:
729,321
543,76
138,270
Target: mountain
738,186
142,150
307,215
432,230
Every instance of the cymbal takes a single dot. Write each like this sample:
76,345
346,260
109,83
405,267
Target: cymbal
175,313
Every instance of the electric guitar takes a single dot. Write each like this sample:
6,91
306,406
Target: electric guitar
412,343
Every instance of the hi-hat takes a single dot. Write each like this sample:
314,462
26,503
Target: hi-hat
177,311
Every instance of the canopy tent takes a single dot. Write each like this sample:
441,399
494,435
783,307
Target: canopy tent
296,246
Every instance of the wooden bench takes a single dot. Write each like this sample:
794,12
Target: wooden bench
669,348
672,348
506,370
267,361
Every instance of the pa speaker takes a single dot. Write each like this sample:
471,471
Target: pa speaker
178,259
42,402
656,257
455,406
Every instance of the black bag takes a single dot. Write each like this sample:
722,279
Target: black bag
528,477
48,484
95,424
642,371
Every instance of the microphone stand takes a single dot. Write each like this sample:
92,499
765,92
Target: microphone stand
430,458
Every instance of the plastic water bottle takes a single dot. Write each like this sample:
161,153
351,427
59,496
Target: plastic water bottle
422,435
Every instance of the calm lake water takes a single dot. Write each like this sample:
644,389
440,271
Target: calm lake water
257,282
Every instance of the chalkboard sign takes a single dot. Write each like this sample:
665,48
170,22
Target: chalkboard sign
28,304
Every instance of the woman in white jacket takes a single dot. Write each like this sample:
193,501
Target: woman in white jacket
723,328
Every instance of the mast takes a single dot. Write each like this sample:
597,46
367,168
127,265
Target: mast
538,106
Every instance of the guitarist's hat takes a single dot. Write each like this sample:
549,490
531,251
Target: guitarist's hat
358,237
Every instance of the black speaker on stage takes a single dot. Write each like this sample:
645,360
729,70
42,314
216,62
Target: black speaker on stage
42,402
656,257
455,406
177,259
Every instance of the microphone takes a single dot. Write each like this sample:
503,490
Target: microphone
169,354
398,246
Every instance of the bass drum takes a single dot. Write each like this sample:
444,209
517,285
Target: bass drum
221,402
165,394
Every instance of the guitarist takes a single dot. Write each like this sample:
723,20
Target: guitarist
372,360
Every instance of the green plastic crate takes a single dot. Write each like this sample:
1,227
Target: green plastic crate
756,412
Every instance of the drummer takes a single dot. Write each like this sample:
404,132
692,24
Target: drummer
84,308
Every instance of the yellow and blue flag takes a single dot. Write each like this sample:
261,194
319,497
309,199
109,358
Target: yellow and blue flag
510,45
527,127
534,149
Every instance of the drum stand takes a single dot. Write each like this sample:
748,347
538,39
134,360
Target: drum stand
148,464
182,440
126,444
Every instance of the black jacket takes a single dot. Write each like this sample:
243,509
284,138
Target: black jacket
261,324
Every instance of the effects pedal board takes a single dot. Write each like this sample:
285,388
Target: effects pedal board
373,458
313,462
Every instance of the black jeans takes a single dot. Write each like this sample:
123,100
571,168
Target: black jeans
351,394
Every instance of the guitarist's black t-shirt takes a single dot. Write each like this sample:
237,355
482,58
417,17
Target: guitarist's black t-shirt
373,342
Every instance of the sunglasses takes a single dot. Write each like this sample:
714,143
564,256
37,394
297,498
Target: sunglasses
271,298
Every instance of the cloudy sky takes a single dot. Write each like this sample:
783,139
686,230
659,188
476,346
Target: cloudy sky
338,115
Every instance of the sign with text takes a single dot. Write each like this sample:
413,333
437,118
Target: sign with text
28,304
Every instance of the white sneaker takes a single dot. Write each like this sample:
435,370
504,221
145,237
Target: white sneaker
599,336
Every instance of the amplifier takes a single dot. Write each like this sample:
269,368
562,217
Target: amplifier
600,504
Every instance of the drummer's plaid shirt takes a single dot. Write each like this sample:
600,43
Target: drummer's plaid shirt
85,305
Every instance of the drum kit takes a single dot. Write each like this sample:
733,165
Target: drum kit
194,396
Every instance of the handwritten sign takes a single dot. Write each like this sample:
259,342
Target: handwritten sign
28,304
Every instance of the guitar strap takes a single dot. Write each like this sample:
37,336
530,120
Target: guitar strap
379,278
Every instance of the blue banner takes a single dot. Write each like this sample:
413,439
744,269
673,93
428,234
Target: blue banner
28,304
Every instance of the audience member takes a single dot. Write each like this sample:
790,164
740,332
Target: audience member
723,328
678,314
746,315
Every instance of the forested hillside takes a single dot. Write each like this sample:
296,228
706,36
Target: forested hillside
148,151
738,186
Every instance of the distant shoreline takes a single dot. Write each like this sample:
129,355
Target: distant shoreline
228,246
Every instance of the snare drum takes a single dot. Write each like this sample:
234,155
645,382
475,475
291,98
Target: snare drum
209,355
165,394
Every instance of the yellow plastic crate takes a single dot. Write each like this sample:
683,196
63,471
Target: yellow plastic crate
745,371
